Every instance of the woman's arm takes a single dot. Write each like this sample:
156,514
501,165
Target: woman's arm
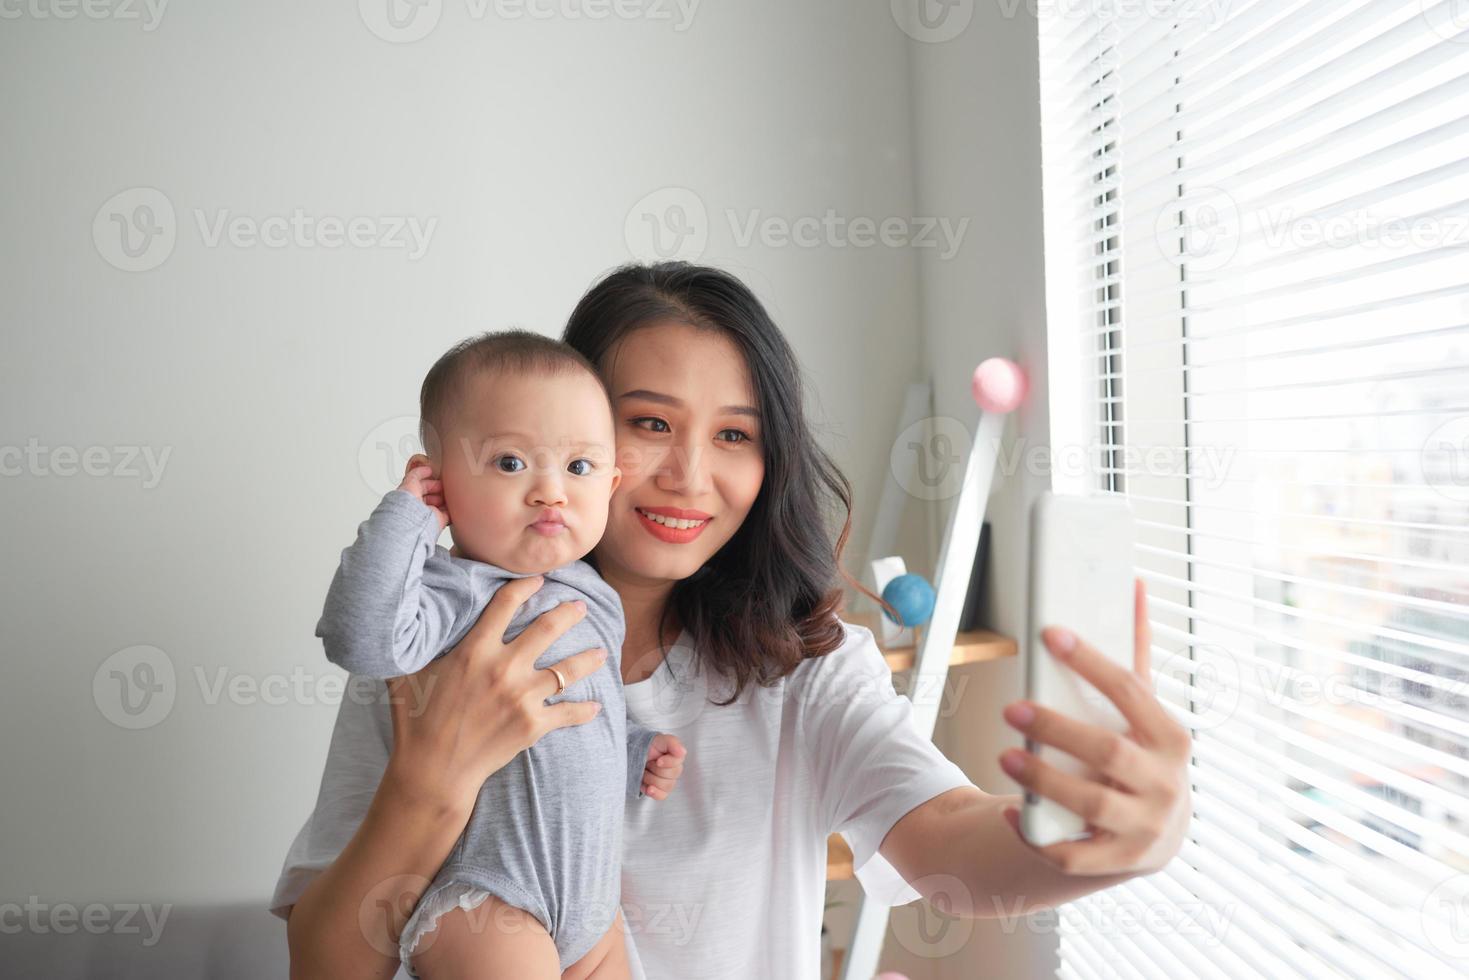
454,723
1137,813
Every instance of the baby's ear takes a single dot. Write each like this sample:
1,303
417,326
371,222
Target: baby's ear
417,460
616,477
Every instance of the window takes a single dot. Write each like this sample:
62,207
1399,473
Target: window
1257,260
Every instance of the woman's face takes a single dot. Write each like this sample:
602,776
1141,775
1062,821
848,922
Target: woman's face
689,444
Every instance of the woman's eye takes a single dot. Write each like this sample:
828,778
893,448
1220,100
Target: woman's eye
743,436
654,419
500,464
586,467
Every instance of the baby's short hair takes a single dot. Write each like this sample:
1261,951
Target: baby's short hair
517,351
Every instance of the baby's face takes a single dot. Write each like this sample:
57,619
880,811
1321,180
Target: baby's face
528,470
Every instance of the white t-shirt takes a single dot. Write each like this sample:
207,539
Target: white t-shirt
727,877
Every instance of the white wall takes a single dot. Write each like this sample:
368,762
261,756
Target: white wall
262,370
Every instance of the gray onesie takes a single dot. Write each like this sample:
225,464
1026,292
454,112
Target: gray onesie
546,831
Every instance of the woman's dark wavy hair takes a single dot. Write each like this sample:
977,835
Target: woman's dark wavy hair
769,598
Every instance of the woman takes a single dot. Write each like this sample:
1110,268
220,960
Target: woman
733,643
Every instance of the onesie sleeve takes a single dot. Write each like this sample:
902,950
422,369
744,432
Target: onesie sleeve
380,618
639,739
869,765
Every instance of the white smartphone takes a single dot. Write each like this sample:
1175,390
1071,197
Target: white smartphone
1081,572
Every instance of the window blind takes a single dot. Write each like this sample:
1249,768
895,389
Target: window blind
1257,266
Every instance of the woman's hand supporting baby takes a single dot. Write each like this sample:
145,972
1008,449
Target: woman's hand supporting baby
455,722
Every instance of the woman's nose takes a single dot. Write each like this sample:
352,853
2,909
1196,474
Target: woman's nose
685,469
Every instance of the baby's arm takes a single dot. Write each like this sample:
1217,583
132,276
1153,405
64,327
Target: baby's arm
380,620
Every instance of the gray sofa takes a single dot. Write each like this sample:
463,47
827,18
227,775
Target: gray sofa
221,942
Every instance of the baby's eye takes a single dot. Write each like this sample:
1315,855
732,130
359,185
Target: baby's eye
500,464
586,467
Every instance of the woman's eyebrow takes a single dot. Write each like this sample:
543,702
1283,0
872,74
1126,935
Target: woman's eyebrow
658,396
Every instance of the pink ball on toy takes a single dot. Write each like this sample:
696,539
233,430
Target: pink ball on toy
999,385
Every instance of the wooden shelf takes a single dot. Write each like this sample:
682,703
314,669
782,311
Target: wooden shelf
971,647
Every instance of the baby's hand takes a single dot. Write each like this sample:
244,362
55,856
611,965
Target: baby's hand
665,764
418,479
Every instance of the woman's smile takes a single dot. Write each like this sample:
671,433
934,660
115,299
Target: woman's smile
672,524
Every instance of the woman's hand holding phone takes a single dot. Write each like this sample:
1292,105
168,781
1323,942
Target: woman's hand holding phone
1138,807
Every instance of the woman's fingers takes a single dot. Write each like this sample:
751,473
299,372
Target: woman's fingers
1142,634
1100,806
564,713
545,630
572,669
1125,688
1109,753
495,619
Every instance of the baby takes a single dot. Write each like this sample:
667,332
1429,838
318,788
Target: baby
520,441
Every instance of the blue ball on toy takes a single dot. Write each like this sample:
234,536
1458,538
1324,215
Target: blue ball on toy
912,597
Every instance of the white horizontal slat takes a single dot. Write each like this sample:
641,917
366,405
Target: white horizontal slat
1235,950
1257,919
1215,98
